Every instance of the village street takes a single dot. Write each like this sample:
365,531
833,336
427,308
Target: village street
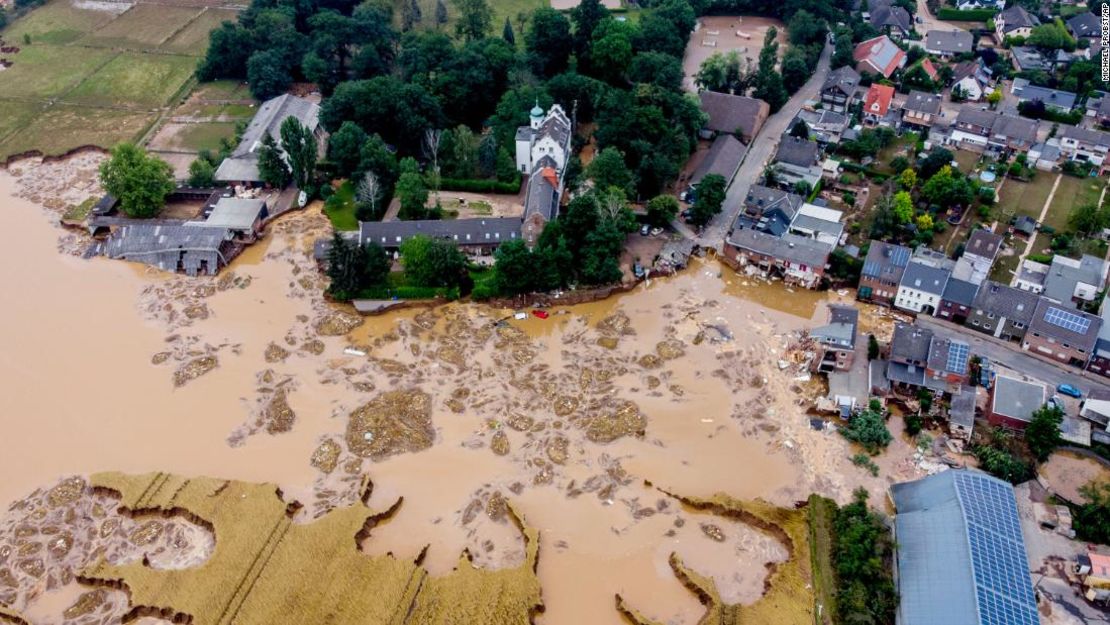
760,152
1011,355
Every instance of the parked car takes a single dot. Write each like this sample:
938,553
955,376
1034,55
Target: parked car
644,230
1069,390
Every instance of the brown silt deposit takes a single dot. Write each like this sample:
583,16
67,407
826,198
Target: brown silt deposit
394,422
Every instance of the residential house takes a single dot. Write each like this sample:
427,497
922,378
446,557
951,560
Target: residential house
543,149
1027,59
947,368
921,288
958,299
972,128
819,223
1014,22
876,106
1046,155
1100,110
797,260
839,91
825,126
1064,335
949,43
889,19
1071,282
921,109
1085,25
1100,358
1094,575
241,167
961,414
1085,145
724,158
1024,91
1002,311
1096,409
1032,276
971,78
909,357
1013,403
769,210
733,114
836,340
882,272
1012,134
796,160
477,237
960,554
968,5
879,56
979,253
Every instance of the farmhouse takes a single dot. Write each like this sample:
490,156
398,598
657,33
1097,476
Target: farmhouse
242,217
882,272
241,168
542,151
734,114
477,237
879,56
961,556
839,90
948,43
724,158
1014,401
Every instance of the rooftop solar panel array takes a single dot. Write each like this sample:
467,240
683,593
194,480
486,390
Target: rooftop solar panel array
957,357
1067,320
1002,584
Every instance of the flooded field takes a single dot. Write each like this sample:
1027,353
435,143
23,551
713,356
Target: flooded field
582,422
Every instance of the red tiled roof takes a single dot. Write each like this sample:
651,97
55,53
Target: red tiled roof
878,99
927,65
879,55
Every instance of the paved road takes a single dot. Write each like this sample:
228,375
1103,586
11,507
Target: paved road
759,153
1011,355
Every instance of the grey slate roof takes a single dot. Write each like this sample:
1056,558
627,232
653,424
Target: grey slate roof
733,113
723,159
884,16
1028,58
845,79
922,102
948,41
1085,135
1017,399
1014,130
169,247
961,555
910,342
983,243
234,213
1006,301
762,199
962,409
925,278
1084,340
841,328
1016,17
886,261
905,374
795,151
488,231
1063,277
243,162
960,292
788,247
1024,90
542,197
975,116
1084,24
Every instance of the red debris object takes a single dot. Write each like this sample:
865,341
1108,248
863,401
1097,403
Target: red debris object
542,314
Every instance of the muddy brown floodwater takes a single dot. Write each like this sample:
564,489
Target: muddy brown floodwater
578,419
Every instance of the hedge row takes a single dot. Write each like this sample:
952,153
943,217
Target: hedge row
409,292
970,15
874,174
479,186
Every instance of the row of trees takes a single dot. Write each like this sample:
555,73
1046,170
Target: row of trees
428,263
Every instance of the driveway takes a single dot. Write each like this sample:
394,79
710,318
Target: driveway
759,154
1011,355
929,22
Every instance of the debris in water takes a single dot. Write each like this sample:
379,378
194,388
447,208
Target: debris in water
398,421
194,369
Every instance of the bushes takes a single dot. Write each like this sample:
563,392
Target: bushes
913,424
970,15
869,430
863,460
479,186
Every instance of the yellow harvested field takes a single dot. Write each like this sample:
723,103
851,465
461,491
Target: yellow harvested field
789,599
268,569
143,26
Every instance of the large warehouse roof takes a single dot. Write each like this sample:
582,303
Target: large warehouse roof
961,556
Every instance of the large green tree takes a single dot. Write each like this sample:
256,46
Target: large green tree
139,181
546,42
272,168
1092,519
299,145
400,112
345,148
710,198
432,262
868,428
768,83
475,18
661,209
608,169
1042,435
411,191
268,74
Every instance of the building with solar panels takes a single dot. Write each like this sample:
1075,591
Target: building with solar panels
961,557
882,272
1063,334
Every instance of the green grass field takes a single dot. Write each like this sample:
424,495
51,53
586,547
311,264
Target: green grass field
1025,198
340,207
502,9
197,137
135,79
102,76
1071,193
143,27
